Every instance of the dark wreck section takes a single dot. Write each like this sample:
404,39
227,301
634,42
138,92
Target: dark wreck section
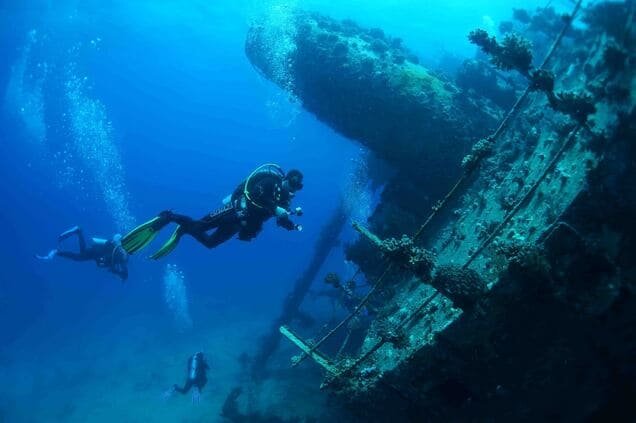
513,298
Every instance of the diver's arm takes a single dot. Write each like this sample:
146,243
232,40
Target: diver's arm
283,220
286,223
121,271
186,387
282,210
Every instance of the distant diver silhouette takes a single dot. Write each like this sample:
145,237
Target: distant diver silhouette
196,378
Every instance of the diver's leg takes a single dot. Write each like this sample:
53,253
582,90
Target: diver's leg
216,238
225,222
181,219
75,230
196,395
185,224
69,233
143,234
209,221
73,256
81,241
197,229
84,254
185,388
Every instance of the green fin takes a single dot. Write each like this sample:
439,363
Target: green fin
169,246
141,236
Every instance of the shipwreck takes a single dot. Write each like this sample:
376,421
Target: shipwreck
508,289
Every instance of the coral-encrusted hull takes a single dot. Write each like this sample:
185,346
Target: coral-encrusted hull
368,87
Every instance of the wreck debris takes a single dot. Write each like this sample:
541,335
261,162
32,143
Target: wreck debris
431,354
328,239
462,286
378,242
402,252
307,349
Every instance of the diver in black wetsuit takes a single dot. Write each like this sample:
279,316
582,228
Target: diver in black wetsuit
266,193
106,253
196,377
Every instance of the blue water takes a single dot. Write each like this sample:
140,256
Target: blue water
113,113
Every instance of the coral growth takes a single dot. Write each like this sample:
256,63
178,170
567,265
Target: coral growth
542,80
578,105
461,285
482,148
515,52
404,252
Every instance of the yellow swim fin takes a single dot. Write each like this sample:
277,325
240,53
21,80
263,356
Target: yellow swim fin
169,246
142,235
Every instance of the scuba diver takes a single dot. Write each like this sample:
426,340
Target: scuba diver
196,376
267,192
107,253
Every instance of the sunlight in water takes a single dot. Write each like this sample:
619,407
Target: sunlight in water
280,36
92,135
24,97
358,196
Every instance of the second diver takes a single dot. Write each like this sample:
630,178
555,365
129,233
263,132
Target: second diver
267,192
196,378
107,253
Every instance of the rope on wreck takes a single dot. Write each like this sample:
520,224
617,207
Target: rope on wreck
526,196
519,204
571,137
442,203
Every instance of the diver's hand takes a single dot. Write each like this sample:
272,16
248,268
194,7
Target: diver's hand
282,213
299,228
168,393
298,211
196,396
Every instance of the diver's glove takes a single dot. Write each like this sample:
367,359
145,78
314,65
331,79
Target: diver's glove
281,212
298,211
299,228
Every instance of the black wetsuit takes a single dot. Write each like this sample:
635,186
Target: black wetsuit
241,216
105,254
196,375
